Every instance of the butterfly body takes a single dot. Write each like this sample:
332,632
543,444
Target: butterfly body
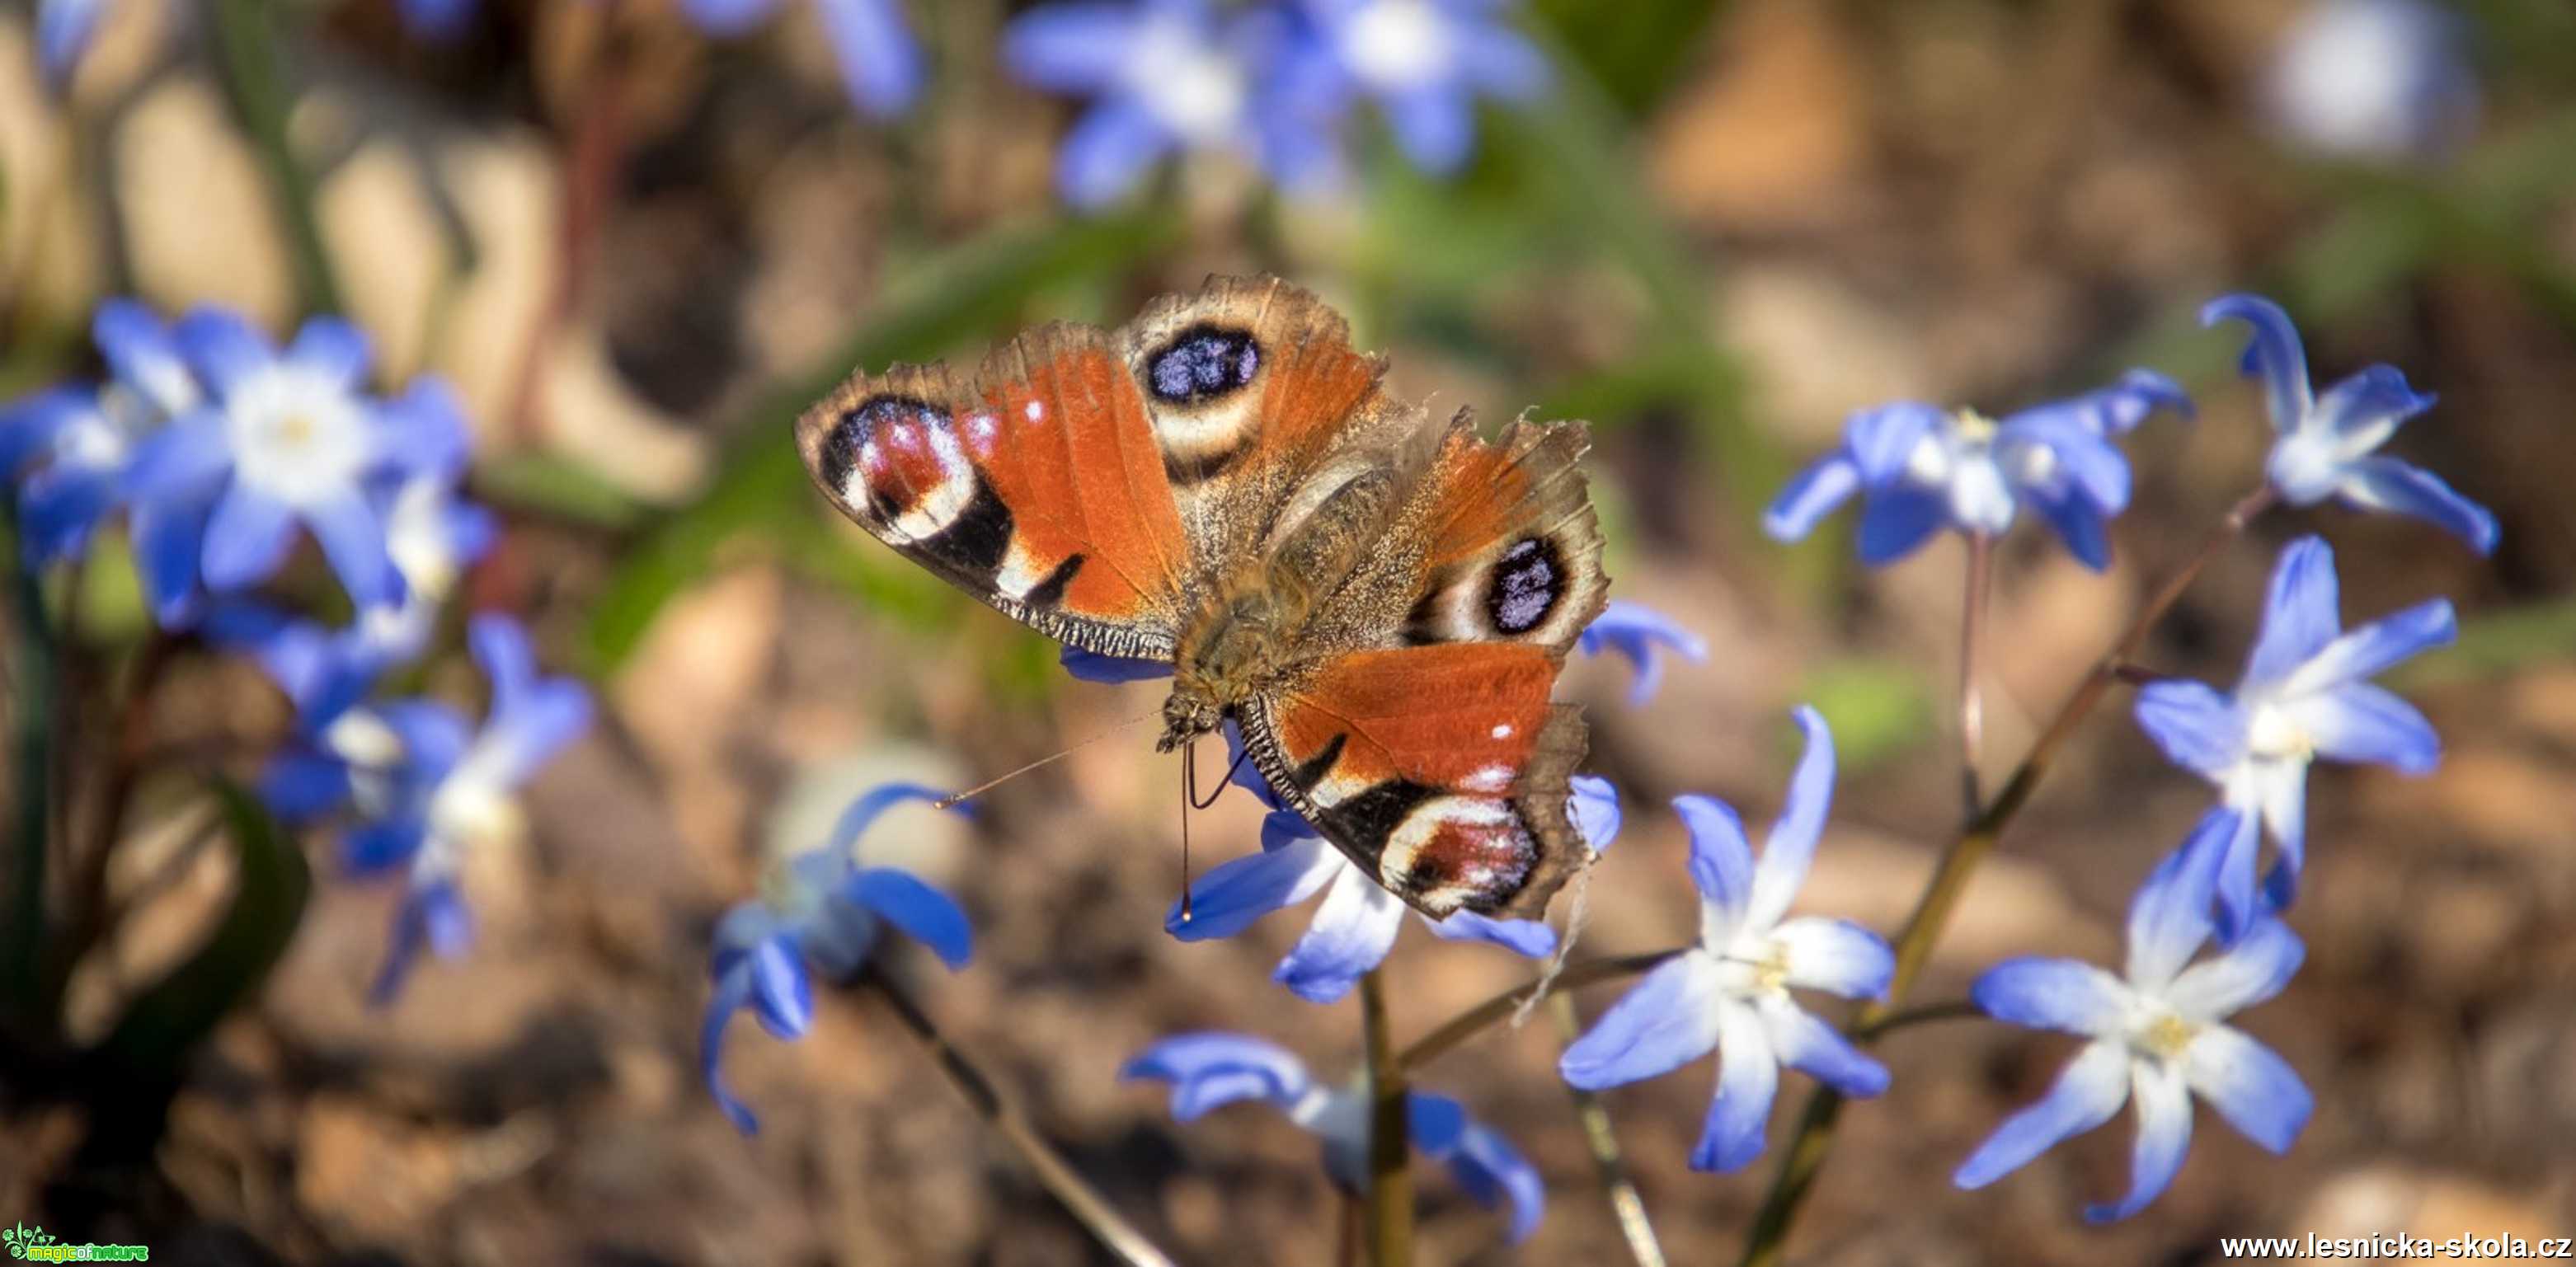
1381,603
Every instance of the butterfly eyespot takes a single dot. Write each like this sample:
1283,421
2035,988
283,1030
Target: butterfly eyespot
1202,363
1454,851
899,458
1527,582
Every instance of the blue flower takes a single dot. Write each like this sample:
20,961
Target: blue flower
439,20
2327,443
824,914
2380,80
2156,1037
2306,693
1730,992
1922,469
1211,1070
75,443
1356,925
1169,75
287,439
1636,631
881,64
430,787
1425,62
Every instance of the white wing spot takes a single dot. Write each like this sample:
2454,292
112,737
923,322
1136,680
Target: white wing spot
1036,411
1493,778
1503,731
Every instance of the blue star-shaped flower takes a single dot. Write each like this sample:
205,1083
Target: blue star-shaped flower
1425,62
2157,1036
1211,1070
1730,992
1922,468
2306,693
2375,80
824,914
1171,76
2328,444
74,444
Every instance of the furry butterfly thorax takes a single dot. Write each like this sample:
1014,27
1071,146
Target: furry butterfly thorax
1379,601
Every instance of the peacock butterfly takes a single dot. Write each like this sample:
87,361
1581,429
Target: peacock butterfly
1381,603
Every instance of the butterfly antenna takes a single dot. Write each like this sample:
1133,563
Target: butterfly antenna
1189,797
951,802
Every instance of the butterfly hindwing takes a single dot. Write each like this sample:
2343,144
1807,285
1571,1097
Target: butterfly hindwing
1037,487
1442,770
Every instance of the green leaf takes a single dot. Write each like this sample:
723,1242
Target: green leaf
969,290
166,1021
1637,49
558,488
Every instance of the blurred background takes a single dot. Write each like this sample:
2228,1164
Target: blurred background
638,243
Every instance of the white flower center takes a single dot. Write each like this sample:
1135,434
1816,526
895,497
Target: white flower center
2162,1034
2273,733
416,537
1397,44
298,437
2305,466
1187,84
473,805
90,442
370,747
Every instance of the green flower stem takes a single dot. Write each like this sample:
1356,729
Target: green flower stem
1626,1204
245,34
1084,1202
1806,1154
1390,1188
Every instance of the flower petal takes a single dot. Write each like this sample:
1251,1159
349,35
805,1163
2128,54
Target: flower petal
2386,483
1810,496
1352,932
725,19
1498,61
782,996
1721,861
1526,937
63,31
1791,846
2301,613
2198,728
353,538
732,994
1212,1069
2067,995
2280,790
433,917
1836,956
1635,631
181,464
1668,1020
2257,967
2376,647
1230,897
1492,1172
881,64
333,349
2364,723
225,351
1593,804
862,813
2092,1088
1881,440
2078,522
142,354
2164,1136
2169,917
168,544
1091,666
247,538
1748,1081
1812,1047
1107,152
1897,521
924,914
2274,354
2250,1085
1078,47
1435,126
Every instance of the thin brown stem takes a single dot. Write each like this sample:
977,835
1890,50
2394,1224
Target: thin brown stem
1972,699
1390,1188
1465,1025
1085,1203
1626,1204
122,750
1954,1010
1806,1153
